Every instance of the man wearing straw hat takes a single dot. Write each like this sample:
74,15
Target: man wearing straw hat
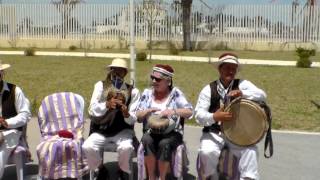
14,115
209,113
111,111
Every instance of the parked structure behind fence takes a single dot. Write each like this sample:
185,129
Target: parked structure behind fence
240,23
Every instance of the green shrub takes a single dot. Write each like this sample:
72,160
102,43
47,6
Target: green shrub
72,48
221,46
304,57
141,56
29,52
173,50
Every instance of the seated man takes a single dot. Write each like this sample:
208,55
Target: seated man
14,115
110,110
209,113
166,101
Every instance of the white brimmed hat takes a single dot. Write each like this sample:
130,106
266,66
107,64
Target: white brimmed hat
4,66
227,58
119,63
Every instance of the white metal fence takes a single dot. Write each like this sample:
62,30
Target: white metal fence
253,23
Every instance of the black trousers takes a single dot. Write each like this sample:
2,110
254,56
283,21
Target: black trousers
161,145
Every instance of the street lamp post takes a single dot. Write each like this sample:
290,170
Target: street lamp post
132,43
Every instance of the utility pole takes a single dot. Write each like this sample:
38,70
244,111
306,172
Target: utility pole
132,43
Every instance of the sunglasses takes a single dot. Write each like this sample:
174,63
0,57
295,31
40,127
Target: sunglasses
155,78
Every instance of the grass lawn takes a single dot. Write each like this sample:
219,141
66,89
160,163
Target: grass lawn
263,55
289,89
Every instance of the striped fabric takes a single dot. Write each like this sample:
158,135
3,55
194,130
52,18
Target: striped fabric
179,162
61,157
228,165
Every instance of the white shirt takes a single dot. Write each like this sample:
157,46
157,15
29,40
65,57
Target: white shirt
22,106
175,100
98,107
202,114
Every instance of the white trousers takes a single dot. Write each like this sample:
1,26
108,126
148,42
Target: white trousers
96,143
209,152
11,140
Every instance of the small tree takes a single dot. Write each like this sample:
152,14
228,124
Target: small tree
151,10
304,57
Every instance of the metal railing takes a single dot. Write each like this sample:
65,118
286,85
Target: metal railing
247,23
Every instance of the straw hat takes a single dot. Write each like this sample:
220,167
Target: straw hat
119,63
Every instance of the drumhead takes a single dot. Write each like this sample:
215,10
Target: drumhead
249,123
159,124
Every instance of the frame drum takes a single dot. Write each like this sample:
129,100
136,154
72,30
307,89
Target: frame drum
248,125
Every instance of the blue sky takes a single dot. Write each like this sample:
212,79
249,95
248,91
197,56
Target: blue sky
210,2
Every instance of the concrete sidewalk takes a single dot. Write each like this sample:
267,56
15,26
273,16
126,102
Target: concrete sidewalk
159,57
295,154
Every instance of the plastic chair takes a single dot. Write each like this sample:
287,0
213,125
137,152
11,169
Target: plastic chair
227,166
19,155
113,148
61,122
179,161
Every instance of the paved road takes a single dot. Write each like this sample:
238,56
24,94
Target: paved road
296,155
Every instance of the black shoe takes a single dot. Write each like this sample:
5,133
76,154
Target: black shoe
103,174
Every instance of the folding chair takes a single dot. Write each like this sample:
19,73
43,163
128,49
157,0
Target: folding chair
61,122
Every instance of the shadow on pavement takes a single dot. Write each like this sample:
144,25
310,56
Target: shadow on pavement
31,172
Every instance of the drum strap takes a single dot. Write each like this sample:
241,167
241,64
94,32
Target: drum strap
268,140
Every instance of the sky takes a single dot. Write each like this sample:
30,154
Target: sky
210,2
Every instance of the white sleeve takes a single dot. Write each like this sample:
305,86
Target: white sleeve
183,103
135,96
251,92
97,105
202,114
22,105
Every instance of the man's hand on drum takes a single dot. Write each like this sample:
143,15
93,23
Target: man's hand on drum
235,93
220,115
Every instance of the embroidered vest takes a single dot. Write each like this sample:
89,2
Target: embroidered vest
215,103
8,103
117,124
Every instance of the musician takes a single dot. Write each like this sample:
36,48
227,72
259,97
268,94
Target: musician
14,115
209,114
119,129
166,100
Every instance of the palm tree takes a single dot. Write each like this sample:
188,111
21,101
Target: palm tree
65,7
